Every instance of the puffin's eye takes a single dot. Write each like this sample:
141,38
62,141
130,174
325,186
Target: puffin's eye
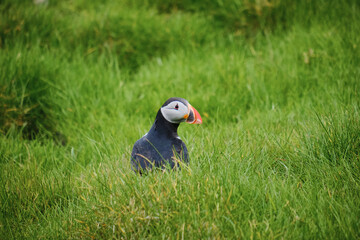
177,106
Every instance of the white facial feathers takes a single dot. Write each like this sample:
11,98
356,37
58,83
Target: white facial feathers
175,112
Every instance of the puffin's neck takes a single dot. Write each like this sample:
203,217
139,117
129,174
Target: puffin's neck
163,127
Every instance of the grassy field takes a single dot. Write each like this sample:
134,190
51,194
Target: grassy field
277,84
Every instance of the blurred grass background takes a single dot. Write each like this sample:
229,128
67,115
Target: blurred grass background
277,85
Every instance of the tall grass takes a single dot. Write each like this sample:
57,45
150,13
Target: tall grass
277,85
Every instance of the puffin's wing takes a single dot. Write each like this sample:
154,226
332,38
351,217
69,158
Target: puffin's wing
135,161
139,161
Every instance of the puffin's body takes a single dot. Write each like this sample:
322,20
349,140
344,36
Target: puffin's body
162,146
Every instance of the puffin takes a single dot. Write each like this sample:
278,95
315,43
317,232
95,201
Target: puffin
162,146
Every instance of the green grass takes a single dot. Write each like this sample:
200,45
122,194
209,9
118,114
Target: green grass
277,84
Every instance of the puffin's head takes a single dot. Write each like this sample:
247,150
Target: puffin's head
177,110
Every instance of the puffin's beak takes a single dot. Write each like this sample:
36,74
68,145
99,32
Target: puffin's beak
194,116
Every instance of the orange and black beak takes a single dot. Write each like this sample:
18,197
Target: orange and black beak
193,116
